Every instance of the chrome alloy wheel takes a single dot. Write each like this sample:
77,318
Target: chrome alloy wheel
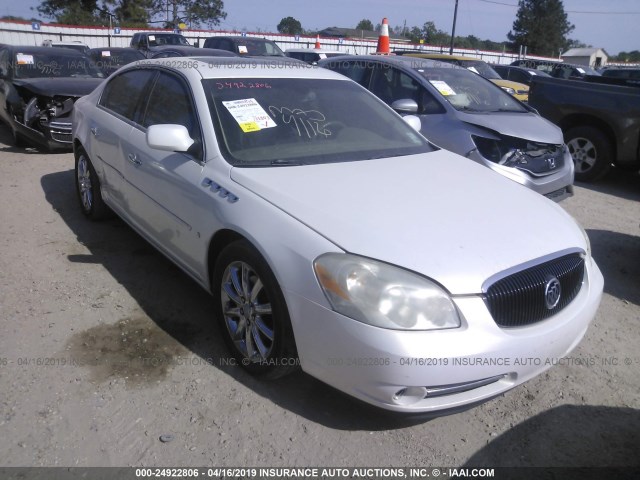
84,183
247,311
583,152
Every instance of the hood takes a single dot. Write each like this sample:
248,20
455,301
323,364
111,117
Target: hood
437,214
518,87
526,125
63,87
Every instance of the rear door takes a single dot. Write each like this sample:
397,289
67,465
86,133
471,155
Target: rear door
111,126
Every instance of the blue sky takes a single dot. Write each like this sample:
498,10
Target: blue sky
486,19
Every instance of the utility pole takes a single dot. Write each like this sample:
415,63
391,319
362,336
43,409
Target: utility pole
453,29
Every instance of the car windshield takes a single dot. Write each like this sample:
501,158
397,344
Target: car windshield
40,65
167,39
483,68
282,121
258,48
468,92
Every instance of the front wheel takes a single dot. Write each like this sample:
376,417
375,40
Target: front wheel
252,312
591,151
88,188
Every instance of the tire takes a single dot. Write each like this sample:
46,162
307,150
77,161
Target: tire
247,294
88,188
591,151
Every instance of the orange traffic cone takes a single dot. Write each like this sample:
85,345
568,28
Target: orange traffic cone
383,39
317,42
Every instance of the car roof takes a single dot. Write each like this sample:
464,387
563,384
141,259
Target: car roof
436,56
404,61
46,50
157,33
312,50
195,51
240,37
243,67
113,49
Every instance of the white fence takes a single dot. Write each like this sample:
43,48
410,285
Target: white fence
25,33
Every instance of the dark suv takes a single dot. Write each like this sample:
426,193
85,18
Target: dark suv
150,42
245,46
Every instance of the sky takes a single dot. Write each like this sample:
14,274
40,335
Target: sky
612,25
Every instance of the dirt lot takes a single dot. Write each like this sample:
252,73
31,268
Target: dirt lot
80,302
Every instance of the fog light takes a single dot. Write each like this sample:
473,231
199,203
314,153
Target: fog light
409,395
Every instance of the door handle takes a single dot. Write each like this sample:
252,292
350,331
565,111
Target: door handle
133,158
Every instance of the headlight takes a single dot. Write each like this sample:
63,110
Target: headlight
586,239
509,90
383,295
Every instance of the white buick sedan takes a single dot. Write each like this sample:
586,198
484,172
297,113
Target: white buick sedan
333,235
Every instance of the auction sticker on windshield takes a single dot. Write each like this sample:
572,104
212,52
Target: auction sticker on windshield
443,87
249,114
23,59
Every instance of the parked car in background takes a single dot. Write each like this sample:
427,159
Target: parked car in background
180,51
245,46
467,114
627,75
543,65
572,72
150,42
601,123
38,87
270,187
518,74
76,45
518,90
110,59
312,55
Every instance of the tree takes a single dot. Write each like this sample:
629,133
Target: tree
430,34
364,24
132,13
290,26
633,57
72,12
192,12
571,43
540,25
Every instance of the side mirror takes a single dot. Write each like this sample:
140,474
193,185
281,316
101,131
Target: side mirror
405,105
169,137
413,121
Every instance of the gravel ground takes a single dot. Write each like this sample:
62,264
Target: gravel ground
80,301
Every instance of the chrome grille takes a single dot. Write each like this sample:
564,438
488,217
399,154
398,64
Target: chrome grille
519,299
60,131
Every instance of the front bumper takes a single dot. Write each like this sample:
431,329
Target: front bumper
53,136
556,186
433,371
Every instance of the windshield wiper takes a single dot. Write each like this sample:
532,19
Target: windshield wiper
283,162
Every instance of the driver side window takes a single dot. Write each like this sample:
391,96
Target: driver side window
170,102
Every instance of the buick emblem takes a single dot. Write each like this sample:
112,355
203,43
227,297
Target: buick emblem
552,293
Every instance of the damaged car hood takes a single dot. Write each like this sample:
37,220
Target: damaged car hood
526,125
438,214
64,86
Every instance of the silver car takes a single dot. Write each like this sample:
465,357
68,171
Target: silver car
467,114
332,235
